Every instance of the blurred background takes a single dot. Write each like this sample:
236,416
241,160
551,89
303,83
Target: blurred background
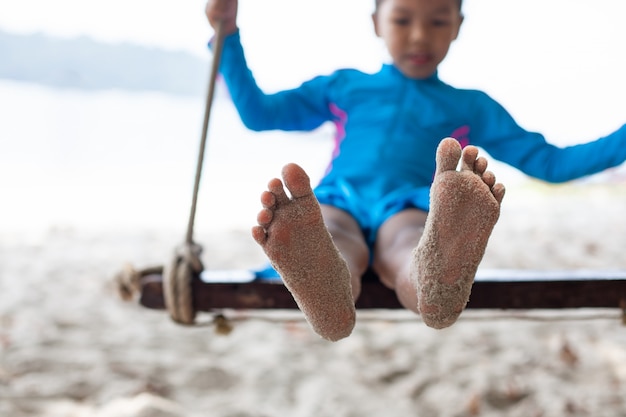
101,103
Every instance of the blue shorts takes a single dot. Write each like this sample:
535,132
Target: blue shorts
371,211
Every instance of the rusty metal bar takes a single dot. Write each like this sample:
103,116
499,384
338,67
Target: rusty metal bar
502,289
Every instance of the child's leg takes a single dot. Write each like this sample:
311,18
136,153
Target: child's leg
396,240
294,237
465,205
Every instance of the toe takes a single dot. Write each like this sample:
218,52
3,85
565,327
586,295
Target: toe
259,235
296,180
470,153
268,199
448,154
265,217
480,166
498,192
275,187
489,178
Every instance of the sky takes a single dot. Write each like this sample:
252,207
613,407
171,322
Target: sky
557,63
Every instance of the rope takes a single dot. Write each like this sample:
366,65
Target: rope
222,321
128,280
177,277
219,44
186,264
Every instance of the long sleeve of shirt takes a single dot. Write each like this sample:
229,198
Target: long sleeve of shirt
498,133
388,126
304,108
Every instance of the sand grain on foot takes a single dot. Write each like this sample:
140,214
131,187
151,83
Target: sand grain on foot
465,206
293,235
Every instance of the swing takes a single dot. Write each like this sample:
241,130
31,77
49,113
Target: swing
183,287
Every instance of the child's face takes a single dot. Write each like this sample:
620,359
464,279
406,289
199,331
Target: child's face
418,33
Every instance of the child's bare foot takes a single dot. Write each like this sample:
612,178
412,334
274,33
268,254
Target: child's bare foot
465,205
294,237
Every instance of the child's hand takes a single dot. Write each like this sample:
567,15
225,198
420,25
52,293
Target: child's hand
224,11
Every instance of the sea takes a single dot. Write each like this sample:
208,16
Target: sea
118,160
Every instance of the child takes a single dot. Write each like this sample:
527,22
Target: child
379,204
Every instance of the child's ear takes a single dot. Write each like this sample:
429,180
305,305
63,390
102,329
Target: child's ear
375,23
458,30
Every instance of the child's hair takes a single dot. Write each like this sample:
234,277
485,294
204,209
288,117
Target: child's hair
379,2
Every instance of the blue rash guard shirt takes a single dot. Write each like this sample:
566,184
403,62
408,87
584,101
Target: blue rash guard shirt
388,128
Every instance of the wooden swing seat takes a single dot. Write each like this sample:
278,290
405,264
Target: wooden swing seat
493,289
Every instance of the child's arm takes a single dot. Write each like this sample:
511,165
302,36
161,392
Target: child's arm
504,140
560,164
303,108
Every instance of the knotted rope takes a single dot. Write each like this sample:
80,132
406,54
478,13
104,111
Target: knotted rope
186,264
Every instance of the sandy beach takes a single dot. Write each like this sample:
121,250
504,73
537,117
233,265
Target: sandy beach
71,348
